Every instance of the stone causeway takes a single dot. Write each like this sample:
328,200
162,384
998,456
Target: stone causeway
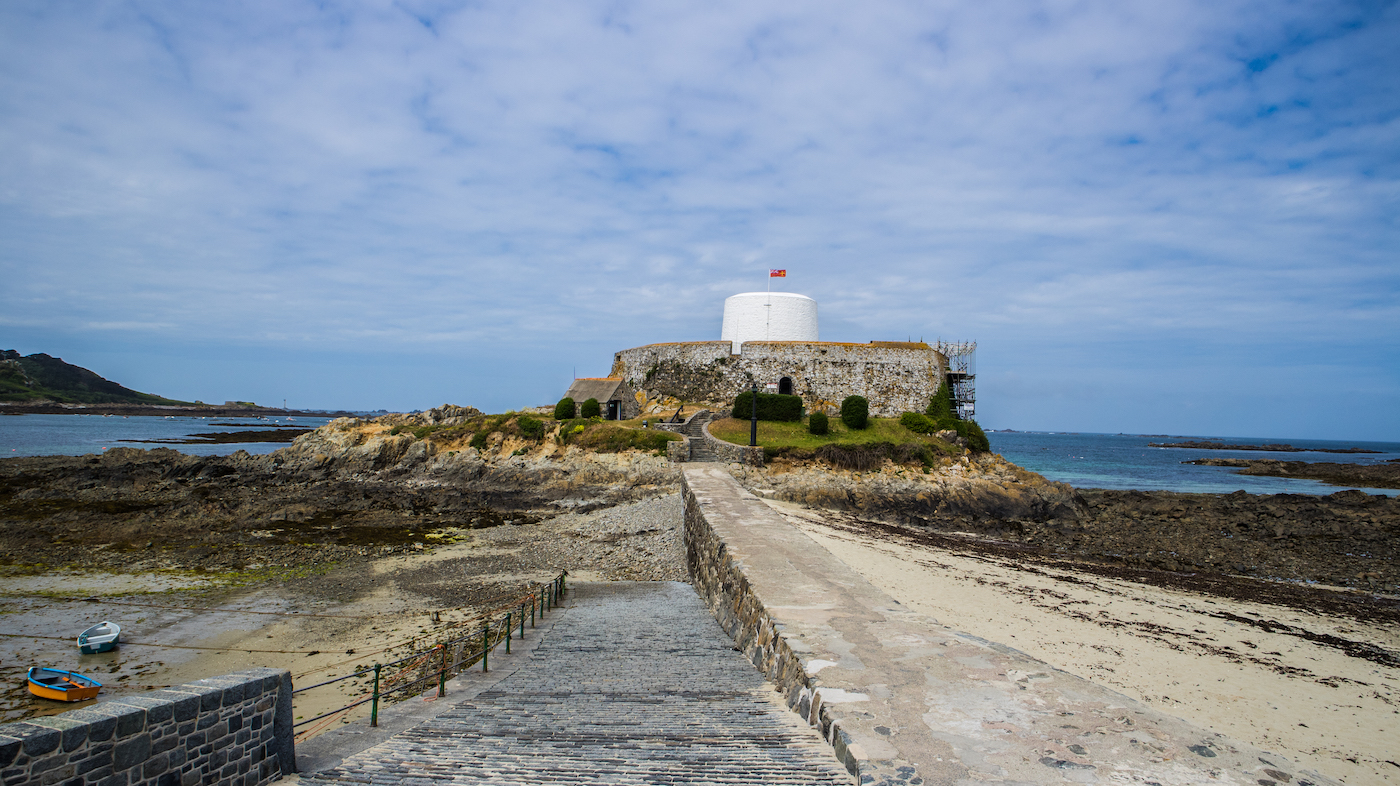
634,682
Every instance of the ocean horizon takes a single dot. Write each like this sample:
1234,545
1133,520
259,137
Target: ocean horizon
1127,461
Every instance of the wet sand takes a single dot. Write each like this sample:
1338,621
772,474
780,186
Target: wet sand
1323,689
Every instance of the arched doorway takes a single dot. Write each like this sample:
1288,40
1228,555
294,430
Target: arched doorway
785,386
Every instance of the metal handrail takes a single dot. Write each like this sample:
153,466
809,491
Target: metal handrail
540,600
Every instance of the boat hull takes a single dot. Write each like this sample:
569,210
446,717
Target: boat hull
62,685
102,637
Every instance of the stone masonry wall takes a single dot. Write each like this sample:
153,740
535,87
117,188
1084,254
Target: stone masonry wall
235,729
741,614
894,377
731,453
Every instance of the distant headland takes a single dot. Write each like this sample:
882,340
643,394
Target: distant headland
41,384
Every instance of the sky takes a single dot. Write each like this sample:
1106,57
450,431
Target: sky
1152,217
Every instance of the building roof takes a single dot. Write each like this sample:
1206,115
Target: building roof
601,388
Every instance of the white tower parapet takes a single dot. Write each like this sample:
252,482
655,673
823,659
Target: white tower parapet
768,316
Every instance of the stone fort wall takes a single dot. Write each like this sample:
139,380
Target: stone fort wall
894,376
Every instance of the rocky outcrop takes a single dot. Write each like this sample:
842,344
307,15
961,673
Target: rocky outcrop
1348,539
351,487
983,492
1271,447
1379,476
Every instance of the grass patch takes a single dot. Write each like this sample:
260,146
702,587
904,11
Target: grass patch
610,438
795,435
842,446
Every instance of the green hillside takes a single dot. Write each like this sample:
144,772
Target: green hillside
40,377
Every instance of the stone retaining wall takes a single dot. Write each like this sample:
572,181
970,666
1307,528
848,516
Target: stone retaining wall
740,612
235,729
678,451
730,453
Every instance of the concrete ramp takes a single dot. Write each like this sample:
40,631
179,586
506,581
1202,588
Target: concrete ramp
904,700
633,683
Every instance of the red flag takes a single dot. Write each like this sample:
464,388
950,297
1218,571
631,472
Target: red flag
777,274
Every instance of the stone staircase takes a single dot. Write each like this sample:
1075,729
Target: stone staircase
700,449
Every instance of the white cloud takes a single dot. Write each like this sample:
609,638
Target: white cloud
313,177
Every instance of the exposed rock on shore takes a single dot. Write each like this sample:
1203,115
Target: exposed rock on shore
1378,476
983,488
349,489
358,489
1272,447
1345,539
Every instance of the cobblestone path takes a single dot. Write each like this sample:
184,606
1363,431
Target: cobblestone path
636,683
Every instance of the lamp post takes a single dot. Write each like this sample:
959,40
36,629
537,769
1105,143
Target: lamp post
753,424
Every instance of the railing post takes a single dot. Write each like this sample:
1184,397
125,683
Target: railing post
522,621
549,597
562,588
509,630
442,672
374,702
532,610
485,646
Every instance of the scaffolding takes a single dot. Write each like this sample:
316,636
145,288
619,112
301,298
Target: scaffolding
962,375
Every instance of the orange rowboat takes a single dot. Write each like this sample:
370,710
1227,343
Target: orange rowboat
62,685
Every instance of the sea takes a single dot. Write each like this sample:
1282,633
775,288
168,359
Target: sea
1084,460
78,435
1126,461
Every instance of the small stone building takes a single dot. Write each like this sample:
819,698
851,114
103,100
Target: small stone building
618,399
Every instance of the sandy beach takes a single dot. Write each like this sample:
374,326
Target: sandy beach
1321,689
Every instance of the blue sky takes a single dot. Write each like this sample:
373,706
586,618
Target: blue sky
1153,217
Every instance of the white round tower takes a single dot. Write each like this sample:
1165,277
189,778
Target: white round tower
768,316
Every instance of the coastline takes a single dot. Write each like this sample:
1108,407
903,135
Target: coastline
371,522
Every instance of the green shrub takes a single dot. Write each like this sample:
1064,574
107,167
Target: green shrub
570,429
976,438
941,409
817,424
530,427
479,439
855,412
870,456
590,409
771,406
919,424
565,409
607,438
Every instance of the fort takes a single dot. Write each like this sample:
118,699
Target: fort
771,339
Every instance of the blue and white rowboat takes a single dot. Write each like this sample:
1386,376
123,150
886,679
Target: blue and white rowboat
101,637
